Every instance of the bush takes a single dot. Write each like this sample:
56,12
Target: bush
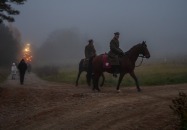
180,109
47,71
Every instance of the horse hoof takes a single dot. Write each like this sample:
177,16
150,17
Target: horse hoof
139,90
98,90
118,91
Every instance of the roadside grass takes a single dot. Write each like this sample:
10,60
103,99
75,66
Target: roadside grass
3,74
161,74
147,74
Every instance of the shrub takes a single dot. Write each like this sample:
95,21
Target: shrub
179,107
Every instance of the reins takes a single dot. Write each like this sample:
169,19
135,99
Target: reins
141,61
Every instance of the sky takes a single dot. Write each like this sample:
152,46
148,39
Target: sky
161,23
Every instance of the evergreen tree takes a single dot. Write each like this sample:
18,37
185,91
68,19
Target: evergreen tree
9,46
6,10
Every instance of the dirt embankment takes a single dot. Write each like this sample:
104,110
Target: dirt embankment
42,105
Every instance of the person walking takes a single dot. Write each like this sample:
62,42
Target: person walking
22,66
13,71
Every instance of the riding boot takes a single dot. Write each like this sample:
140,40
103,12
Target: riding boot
89,71
115,69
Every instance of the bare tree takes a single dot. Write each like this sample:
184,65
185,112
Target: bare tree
6,11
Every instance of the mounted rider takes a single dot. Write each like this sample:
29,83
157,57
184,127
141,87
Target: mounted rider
90,53
114,53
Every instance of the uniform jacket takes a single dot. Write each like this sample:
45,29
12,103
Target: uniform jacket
22,66
114,52
89,51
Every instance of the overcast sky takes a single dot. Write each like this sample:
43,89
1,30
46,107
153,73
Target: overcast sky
162,23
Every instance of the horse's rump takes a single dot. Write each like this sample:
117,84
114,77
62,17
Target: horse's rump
105,60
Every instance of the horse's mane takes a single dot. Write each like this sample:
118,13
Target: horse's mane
133,48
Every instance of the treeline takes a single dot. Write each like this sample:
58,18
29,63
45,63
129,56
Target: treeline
10,47
63,46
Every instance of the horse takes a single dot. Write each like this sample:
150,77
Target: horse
127,65
84,68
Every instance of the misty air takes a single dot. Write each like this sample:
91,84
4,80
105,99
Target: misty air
93,64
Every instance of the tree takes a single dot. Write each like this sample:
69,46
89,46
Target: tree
63,46
6,11
9,46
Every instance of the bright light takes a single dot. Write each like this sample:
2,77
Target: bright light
26,49
27,53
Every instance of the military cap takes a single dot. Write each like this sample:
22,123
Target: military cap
90,40
117,33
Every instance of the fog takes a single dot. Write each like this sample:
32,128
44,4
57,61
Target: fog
61,28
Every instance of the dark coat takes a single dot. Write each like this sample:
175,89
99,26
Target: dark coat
22,66
114,52
90,51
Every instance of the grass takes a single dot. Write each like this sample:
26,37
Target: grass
147,74
3,74
161,74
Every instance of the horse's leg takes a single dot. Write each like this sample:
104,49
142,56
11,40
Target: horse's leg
88,79
119,80
136,80
95,82
81,69
78,76
103,79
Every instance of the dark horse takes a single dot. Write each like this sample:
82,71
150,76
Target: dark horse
127,65
82,68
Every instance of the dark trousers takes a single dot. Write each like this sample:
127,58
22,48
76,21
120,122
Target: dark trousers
22,75
90,67
89,71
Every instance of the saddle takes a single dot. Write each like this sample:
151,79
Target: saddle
106,63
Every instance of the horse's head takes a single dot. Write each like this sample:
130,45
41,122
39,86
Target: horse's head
143,50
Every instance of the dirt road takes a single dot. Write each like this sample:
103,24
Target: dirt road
39,105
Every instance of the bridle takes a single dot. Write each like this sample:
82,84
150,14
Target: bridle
142,56
141,61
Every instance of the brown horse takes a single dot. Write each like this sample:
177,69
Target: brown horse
84,68
127,65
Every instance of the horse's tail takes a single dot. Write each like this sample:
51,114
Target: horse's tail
97,63
81,66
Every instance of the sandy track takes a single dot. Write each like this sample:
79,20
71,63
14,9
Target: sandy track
43,105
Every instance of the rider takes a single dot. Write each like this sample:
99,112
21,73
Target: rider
90,53
114,53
